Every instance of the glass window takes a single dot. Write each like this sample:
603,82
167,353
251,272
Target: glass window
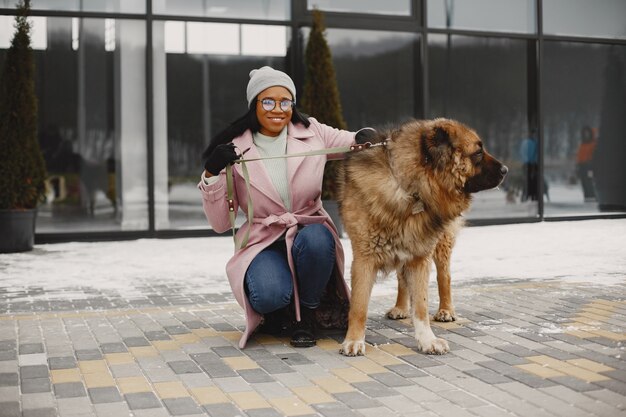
105,6
376,75
482,82
90,85
244,9
598,18
516,16
388,7
584,106
199,89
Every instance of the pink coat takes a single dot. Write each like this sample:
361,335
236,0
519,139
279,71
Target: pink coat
271,218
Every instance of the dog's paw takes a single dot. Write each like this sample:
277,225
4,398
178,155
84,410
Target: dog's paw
435,346
352,348
397,313
445,315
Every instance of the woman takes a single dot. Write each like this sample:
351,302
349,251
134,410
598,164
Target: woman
293,249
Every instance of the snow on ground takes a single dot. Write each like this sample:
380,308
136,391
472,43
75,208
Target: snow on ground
577,251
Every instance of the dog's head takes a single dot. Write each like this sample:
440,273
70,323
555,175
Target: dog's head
454,154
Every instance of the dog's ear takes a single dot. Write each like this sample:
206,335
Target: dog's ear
434,145
441,136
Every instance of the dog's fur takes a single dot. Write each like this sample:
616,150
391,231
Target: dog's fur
400,205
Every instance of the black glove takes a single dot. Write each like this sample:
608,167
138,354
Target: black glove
221,156
367,134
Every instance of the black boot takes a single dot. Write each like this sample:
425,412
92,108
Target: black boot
276,323
304,331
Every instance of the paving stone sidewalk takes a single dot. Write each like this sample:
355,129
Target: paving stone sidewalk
519,348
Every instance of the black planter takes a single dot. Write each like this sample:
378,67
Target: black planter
332,209
17,228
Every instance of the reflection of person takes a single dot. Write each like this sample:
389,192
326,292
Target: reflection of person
528,155
293,258
584,167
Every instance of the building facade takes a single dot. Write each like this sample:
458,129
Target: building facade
131,91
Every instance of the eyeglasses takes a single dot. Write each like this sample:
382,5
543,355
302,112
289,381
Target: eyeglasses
269,104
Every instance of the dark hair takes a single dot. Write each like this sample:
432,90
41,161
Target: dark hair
245,122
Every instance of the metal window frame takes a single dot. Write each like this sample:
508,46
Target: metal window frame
300,17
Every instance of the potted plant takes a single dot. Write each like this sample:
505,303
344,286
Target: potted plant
320,99
22,167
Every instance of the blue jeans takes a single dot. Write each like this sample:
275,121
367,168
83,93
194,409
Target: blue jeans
268,281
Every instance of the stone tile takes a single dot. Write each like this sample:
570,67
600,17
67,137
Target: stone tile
184,367
112,409
356,400
374,389
28,348
65,375
133,384
115,347
63,362
75,407
182,406
227,351
88,354
9,394
195,324
37,400
275,366
6,345
174,330
341,410
8,379
125,370
263,412
104,395
507,358
10,409
40,412
34,371
119,358
575,383
488,376
35,385
171,389
391,380
142,400
255,375
69,390
157,335
136,342
8,355
406,371
32,359
222,410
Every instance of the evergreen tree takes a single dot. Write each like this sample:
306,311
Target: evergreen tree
320,98
22,167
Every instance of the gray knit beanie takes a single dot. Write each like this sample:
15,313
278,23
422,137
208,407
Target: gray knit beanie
266,77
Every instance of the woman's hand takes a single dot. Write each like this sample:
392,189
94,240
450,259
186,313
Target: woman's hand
221,156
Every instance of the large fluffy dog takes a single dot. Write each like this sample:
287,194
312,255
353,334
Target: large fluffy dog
400,204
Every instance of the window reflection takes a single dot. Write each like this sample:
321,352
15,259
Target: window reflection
598,18
199,89
225,39
245,9
389,7
482,82
489,15
584,103
372,66
112,6
91,99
